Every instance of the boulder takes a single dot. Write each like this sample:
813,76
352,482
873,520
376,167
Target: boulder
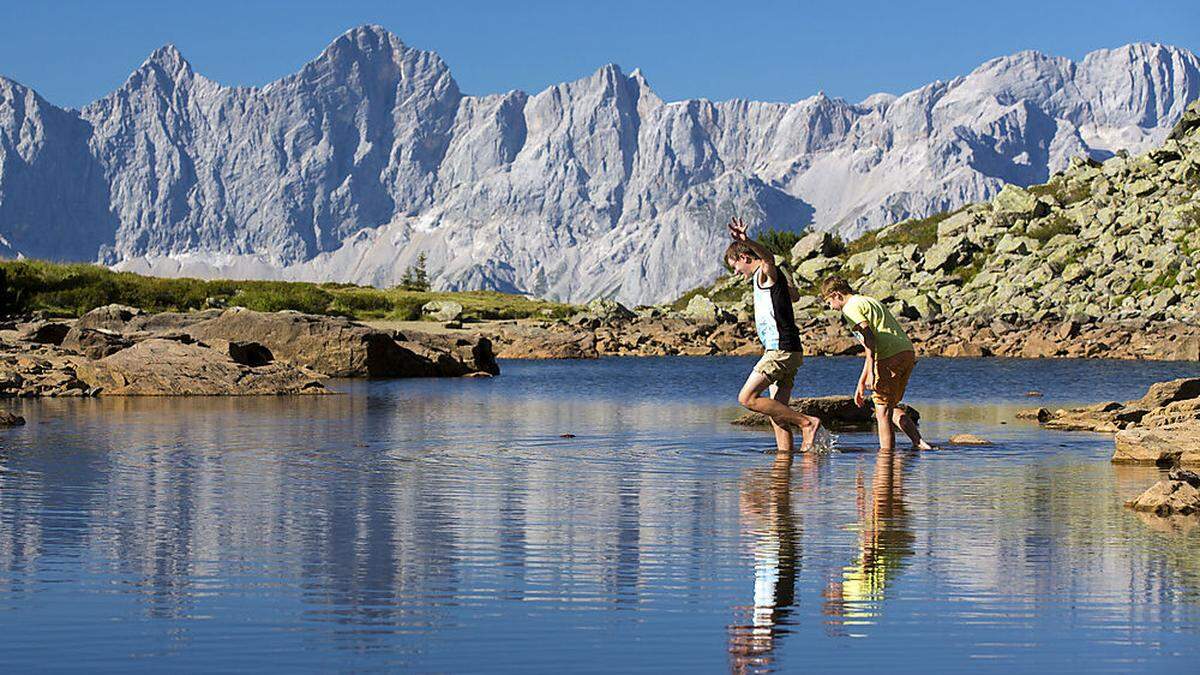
814,270
609,310
815,244
964,349
926,307
44,332
109,317
8,419
1160,446
168,322
1039,414
957,224
1016,201
1105,417
1161,393
452,355
1188,122
158,367
947,254
38,370
835,412
332,346
1173,413
1177,494
702,310
95,343
1040,346
968,439
515,341
442,310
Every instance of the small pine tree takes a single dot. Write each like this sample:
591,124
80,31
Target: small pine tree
415,278
420,277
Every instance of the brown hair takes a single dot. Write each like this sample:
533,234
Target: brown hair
835,284
738,249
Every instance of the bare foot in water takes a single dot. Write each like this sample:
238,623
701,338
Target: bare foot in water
809,433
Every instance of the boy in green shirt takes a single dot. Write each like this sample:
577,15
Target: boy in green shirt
889,361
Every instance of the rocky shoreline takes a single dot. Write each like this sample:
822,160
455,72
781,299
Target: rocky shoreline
122,351
592,335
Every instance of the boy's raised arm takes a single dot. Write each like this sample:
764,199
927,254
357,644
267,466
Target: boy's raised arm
737,230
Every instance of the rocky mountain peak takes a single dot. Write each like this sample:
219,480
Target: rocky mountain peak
370,156
168,60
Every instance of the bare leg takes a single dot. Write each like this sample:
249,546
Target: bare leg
909,427
783,435
883,420
779,413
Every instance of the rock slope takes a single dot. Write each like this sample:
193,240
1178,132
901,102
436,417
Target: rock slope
1099,255
371,155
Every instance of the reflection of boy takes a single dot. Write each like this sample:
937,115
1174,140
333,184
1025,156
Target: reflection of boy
777,330
889,361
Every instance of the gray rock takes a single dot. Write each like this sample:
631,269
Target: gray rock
442,310
609,310
816,269
702,310
95,343
815,244
158,367
1177,494
109,317
333,346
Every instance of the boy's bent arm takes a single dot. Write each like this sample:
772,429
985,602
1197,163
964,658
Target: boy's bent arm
869,344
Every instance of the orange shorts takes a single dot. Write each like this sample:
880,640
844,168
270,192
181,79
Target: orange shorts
891,377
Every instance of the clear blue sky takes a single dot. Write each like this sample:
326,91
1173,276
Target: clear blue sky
74,52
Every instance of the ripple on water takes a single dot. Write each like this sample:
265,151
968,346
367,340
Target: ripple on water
448,525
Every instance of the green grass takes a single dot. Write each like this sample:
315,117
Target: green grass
74,289
731,294
1163,280
1057,190
919,231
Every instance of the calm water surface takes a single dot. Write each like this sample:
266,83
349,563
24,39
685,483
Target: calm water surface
445,526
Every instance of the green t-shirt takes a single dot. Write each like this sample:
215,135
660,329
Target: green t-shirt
889,336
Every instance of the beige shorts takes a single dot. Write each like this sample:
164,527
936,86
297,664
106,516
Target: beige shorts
779,367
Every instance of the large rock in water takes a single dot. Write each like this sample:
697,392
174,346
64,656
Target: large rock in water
835,412
451,354
1162,393
1160,446
1177,494
158,367
333,346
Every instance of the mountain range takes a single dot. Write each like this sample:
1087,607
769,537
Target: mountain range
370,155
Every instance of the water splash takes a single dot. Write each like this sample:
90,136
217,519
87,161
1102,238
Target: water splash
825,442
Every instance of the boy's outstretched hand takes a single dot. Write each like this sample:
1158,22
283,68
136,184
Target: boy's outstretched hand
737,229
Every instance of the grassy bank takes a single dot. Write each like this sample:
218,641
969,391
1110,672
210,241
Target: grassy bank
73,289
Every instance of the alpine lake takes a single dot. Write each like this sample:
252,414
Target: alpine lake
589,516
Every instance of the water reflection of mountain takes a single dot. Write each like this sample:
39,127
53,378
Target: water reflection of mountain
369,512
